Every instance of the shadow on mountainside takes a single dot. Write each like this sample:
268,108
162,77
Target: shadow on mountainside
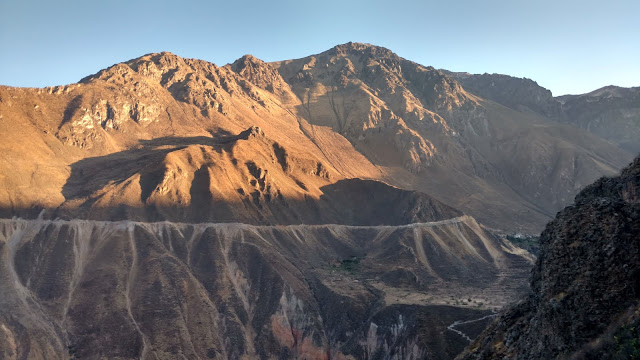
92,174
346,202
212,181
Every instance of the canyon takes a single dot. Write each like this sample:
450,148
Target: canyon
347,205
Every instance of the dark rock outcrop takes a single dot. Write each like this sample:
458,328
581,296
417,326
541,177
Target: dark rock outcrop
585,287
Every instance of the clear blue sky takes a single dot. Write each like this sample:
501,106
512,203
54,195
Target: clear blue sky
567,46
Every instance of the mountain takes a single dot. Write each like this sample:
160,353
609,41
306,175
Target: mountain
356,111
583,302
345,205
139,140
612,112
427,132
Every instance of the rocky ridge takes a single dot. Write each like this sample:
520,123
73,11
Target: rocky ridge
611,112
517,93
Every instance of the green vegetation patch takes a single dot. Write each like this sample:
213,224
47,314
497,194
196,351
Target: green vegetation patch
350,265
627,340
531,243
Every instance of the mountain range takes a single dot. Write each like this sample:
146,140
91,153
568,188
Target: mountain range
350,204
355,111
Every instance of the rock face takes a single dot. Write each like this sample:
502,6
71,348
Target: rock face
585,285
89,289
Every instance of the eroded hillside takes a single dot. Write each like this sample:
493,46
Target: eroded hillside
90,289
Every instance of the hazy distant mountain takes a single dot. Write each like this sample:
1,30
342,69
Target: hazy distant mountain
611,112
318,207
521,94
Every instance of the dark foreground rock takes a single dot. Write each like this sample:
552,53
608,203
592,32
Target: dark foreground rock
585,287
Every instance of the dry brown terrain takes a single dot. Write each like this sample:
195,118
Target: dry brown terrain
318,208
99,289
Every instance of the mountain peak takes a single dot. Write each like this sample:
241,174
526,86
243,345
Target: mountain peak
160,60
610,91
358,46
262,75
157,55
142,65
361,48
245,61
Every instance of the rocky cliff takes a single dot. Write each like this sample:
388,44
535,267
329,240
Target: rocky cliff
585,286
